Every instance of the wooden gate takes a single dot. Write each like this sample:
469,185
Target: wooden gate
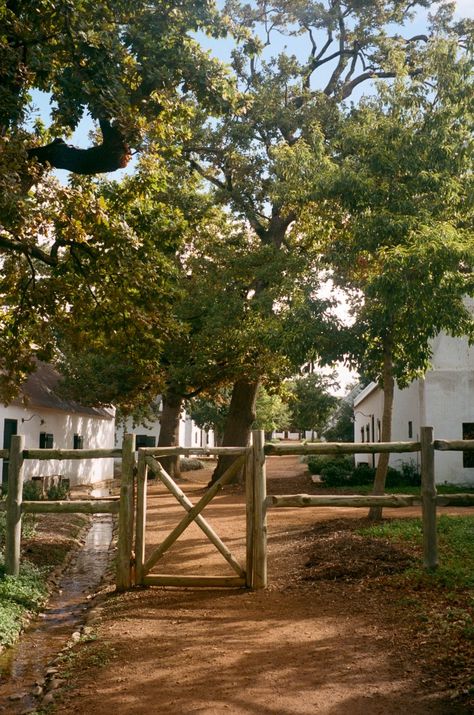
251,459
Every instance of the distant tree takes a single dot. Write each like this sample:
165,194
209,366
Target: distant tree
311,403
341,423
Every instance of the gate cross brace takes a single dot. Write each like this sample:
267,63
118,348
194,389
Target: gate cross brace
194,514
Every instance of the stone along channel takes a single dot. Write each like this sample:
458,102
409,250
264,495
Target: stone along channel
26,673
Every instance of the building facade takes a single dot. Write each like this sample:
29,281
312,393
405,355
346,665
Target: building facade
443,399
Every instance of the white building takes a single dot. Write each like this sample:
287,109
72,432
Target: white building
146,435
47,420
443,399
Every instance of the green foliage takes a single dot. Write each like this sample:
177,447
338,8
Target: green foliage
340,472
59,491
341,423
311,402
188,465
272,412
455,539
32,491
19,596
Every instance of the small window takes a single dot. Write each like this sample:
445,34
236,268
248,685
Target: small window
379,431
196,438
362,434
367,433
46,440
145,440
468,433
78,441
410,429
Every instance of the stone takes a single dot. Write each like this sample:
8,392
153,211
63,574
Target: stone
48,699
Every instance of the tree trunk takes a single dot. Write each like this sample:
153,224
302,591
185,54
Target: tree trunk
169,430
238,424
388,384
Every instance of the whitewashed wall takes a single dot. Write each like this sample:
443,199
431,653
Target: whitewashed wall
190,435
97,434
444,400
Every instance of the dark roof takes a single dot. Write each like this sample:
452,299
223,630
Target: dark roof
41,390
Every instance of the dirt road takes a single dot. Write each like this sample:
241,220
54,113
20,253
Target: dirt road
300,647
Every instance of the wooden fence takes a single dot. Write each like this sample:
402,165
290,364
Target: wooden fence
131,506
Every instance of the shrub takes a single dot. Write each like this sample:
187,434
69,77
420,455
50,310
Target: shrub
187,465
336,474
362,474
57,492
32,491
318,463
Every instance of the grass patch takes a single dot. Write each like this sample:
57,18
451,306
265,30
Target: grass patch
455,540
19,597
440,603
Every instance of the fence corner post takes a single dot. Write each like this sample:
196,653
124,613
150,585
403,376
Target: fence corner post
259,576
249,508
428,494
142,474
125,527
14,499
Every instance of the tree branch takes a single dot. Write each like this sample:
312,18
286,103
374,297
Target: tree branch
112,154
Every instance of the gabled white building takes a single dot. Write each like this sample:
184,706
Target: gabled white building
443,399
146,435
47,420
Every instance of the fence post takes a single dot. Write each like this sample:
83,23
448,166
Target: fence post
259,577
428,493
142,474
125,526
249,510
14,499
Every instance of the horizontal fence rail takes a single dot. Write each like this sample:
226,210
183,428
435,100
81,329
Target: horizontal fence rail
63,454
341,448
186,451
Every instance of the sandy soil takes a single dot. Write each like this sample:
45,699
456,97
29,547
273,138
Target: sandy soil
305,645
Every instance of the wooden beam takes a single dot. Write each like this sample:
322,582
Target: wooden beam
343,500
125,525
194,581
428,492
62,454
140,524
14,510
341,448
187,504
192,513
455,499
259,578
249,514
79,506
454,445
4,453
186,451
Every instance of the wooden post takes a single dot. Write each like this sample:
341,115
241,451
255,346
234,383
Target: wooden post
141,518
14,499
125,526
249,510
259,577
428,493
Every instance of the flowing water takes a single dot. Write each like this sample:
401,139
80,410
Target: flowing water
26,662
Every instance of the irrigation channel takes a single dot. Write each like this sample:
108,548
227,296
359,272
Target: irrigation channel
23,667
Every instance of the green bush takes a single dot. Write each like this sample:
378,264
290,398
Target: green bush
318,463
56,492
32,491
336,473
362,474
187,465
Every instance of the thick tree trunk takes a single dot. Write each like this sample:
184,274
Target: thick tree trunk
388,384
238,424
169,430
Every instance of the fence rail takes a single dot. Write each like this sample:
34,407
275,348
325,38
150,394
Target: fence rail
132,516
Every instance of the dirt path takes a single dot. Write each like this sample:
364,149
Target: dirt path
299,647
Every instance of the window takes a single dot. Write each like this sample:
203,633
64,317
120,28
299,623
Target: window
379,431
362,434
145,440
367,433
468,433
410,429
46,440
78,441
